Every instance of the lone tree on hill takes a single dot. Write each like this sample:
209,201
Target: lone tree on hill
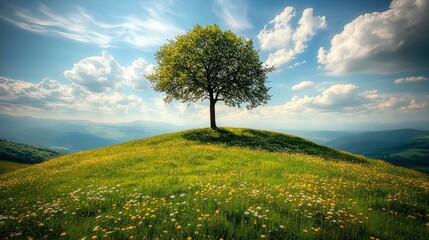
208,63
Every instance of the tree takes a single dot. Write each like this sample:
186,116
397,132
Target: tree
208,63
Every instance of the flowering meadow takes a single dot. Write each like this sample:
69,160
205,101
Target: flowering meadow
206,184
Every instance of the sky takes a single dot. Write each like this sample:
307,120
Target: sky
340,65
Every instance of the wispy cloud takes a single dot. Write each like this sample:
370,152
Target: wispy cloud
79,25
233,13
296,64
410,79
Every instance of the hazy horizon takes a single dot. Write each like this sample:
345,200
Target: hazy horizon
354,127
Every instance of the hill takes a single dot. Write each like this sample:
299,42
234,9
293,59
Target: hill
8,166
403,147
206,184
24,153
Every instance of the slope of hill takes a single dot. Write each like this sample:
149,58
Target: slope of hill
8,166
23,153
205,184
404,147
74,135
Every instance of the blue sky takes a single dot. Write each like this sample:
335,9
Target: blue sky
339,64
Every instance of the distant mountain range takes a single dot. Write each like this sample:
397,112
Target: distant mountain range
403,147
73,136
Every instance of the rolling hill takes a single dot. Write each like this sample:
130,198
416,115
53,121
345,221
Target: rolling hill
9,166
206,184
14,156
403,147
24,153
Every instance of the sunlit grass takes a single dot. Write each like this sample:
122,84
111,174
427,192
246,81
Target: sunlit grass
205,184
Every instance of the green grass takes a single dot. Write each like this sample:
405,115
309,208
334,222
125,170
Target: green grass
410,153
205,184
8,166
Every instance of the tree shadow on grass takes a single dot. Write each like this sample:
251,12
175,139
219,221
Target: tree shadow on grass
267,141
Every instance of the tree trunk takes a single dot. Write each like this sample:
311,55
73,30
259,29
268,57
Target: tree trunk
212,114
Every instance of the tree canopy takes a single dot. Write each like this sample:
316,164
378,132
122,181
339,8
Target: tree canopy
23,153
208,63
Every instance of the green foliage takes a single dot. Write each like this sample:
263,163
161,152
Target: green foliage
208,63
23,153
205,184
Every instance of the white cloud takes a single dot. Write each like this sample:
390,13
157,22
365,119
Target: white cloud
346,98
280,57
134,74
280,34
413,105
393,40
338,97
52,99
296,64
287,42
410,79
103,73
233,13
79,25
96,73
337,104
337,107
304,85
308,26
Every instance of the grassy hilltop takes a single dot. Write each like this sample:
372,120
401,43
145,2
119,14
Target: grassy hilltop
206,184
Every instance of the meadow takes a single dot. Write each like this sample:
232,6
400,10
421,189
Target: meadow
8,166
205,184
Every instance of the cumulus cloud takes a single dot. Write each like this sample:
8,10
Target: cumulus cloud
96,73
103,73
280,34
410,79
51,94
79,25
135,74
339,97
344,98
233,13
284,40
50,98
339,101
336,107
304,85
393,40
413,105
